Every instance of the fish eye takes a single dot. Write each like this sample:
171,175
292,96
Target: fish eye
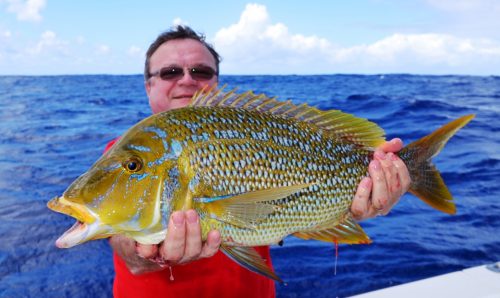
132,165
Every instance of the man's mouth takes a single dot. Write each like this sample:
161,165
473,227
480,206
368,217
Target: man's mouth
183,96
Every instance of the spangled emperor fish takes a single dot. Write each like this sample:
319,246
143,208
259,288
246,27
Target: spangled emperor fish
254,168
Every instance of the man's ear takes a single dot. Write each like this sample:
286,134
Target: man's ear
147,86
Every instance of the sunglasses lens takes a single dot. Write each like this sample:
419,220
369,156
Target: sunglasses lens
171,73
202,73
199,73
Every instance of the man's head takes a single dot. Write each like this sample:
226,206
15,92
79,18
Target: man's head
178,63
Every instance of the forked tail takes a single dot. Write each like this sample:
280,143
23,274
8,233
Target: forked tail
427,183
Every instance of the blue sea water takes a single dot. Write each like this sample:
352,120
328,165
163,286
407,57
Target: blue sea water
53,128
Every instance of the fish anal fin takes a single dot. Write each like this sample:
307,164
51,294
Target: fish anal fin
250,259
347,232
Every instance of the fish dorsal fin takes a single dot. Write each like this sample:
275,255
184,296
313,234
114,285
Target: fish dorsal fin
341,125
348,232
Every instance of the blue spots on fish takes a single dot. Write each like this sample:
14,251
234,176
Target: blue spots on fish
169,186
193,126
112,167
193,183
139,177
172,152
176,148
139,148
159,132
213,199
260,136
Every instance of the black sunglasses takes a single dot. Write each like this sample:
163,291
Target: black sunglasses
197,73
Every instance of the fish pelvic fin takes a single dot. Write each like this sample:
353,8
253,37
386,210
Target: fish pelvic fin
426,181
250,259
247,209
336,123
347,232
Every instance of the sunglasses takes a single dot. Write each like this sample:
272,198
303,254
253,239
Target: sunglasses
173,73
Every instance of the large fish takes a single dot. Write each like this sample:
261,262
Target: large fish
254,168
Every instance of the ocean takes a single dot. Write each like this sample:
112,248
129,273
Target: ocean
52,129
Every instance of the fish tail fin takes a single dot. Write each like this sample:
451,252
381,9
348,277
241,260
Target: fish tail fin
426,181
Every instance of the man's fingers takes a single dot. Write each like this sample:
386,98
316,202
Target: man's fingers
212,245
172,249
146,251
403,174
361,203
126,248
379,190
193,237
391,179
393,145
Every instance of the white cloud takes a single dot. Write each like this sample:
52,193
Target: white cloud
135,51
403,53
28,10
255,41
256,45
80,40
466,6
179,21
468,18
49,44
103,49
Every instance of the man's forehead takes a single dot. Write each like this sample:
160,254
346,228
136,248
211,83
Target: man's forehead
182,51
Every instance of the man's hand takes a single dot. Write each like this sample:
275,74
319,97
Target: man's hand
182,245
389,180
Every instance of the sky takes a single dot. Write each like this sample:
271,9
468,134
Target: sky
52,37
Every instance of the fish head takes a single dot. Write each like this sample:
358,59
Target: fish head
122,192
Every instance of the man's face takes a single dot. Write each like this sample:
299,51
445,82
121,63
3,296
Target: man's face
166,95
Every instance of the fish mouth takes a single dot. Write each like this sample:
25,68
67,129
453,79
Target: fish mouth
78,211
87,226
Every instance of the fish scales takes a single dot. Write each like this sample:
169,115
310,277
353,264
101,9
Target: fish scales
246,151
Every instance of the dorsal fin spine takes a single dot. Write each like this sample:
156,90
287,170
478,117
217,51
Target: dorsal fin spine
335,123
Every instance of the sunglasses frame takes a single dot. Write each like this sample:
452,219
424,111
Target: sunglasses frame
174,73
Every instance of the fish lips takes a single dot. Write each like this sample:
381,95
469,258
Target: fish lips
87,226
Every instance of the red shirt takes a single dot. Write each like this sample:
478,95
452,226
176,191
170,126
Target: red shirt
218,276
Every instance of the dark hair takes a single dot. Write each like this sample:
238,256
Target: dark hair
178,32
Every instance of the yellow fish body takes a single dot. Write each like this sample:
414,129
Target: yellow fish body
254,168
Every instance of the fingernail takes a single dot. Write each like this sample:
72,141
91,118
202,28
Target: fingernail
394,157
375,164
366,183
379,155
178,219
192,217
137,252
389,156
396,140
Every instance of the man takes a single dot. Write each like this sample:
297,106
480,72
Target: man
179,63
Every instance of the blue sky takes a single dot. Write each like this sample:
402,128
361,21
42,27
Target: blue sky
39,37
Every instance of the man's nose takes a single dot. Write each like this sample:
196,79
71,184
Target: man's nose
186,78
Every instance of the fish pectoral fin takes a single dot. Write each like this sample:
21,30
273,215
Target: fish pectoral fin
245,216
348,232
247,209
250,259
